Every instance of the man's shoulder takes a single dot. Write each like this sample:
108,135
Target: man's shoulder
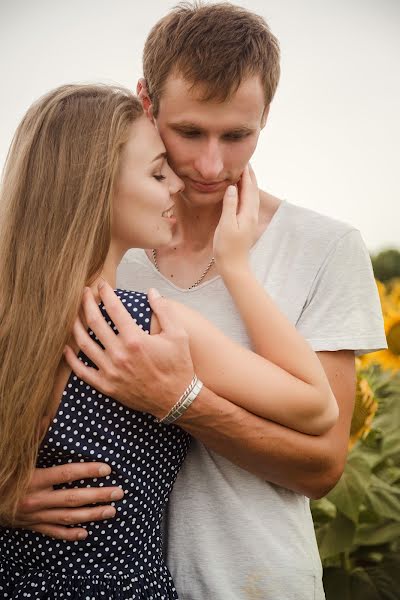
134,255
299,226
313,223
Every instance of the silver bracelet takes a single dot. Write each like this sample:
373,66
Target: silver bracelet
188,396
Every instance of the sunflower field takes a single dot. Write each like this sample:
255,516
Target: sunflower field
358,523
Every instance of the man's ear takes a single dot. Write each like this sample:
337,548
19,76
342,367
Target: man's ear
143,95
265,116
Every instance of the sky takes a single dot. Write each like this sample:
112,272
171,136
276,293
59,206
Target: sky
332,140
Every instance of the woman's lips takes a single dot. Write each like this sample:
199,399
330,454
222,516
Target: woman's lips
168,214
207,187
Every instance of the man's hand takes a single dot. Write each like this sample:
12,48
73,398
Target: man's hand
49,511
145,373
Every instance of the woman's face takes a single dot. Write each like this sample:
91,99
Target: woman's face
142,208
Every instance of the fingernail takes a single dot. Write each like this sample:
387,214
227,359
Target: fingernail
82,535
231,190
108,512
156,293
104,470
117,494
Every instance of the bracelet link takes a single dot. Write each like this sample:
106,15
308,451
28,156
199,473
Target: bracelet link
188,396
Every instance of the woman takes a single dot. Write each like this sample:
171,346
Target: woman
86,179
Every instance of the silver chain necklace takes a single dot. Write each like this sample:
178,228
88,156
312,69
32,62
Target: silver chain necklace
208,267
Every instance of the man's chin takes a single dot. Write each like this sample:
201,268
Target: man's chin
195,198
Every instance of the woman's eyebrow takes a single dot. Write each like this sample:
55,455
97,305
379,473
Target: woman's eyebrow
161,155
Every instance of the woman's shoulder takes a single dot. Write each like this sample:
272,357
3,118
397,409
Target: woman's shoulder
137,305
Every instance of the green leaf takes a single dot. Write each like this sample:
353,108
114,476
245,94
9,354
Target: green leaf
388,472
362,587
383,499
350,491
335,537
388,577
323,511
385,578
374,535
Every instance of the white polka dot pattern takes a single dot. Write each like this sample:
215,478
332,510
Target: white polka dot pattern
121,559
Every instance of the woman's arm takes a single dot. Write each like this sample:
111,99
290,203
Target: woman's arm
286,382
252,381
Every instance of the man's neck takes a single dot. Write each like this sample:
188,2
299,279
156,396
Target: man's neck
184,259
195,227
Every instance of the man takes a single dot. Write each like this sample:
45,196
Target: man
239,524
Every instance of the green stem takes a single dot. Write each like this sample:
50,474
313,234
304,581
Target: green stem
345,561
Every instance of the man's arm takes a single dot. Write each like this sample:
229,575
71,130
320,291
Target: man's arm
134,367
310,465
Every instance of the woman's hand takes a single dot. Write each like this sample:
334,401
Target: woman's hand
237,229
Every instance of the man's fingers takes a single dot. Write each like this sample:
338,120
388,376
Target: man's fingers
165,312
96,321
83,372
50,498
73,516
117,312
43,478
69,534
87,344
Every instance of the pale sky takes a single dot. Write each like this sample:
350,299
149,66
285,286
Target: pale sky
332,142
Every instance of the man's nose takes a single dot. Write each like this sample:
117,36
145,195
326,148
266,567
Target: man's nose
209,163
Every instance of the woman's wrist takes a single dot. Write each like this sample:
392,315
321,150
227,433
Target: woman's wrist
234,271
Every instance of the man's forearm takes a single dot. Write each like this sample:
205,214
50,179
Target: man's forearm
274,453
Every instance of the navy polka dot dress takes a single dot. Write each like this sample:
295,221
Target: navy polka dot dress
121,559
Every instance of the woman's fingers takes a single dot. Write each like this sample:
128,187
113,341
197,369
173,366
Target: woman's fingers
249,195
229,206
252,175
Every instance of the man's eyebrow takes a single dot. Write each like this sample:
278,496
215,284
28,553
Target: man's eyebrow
188,126
161,155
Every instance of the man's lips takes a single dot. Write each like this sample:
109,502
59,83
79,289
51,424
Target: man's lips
212,186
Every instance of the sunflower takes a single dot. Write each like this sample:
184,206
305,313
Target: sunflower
390,301
365,408
393,294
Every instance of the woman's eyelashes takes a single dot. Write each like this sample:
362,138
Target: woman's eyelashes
159,177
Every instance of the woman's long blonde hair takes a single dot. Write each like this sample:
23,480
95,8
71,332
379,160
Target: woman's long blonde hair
55,221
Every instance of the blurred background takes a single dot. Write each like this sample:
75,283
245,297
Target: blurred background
332,142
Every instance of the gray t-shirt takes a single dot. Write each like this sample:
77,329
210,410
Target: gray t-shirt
231,535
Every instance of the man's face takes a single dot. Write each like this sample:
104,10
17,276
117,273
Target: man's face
209,143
